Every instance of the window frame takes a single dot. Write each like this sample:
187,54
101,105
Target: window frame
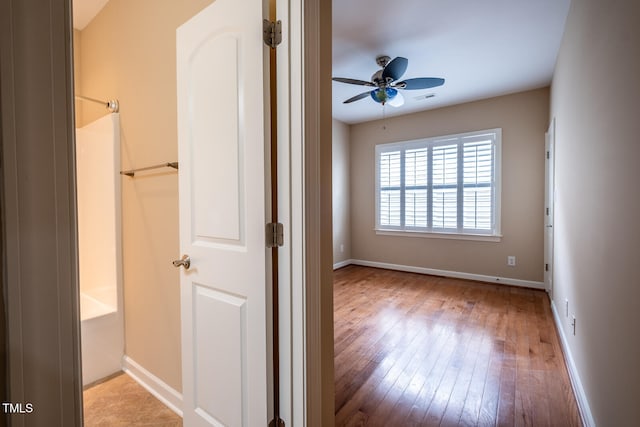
460,139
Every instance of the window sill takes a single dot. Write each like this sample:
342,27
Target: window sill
431,235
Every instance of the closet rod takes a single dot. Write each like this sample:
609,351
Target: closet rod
112,105
132,172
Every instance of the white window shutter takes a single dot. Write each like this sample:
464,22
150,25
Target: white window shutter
446,184
477,179
415,181
390,180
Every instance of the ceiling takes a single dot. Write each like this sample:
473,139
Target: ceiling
481,48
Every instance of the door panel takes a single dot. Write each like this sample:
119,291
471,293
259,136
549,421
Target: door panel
219,318
221,141
215,144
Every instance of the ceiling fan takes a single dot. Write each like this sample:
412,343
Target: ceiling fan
386,84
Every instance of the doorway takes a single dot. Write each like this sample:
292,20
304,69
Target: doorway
135,64
221,223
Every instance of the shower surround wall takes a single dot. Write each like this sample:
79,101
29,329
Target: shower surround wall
99,247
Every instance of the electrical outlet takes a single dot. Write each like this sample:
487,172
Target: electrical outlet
573,323
566,308
511,261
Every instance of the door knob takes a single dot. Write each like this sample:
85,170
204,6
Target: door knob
185,261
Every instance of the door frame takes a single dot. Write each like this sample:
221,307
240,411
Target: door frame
549,202
39,237
305,261
304,175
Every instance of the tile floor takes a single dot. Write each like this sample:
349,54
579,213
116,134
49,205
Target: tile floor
121,402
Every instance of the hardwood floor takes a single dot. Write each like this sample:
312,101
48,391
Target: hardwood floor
417,350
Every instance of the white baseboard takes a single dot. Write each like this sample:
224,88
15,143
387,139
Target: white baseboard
581,397
447,273
341,264
153,385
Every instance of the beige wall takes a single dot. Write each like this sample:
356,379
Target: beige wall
340,185
595,100
523,118
128,52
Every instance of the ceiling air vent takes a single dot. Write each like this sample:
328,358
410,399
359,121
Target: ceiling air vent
423,97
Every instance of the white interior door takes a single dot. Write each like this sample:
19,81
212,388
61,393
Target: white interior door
221,134
548,210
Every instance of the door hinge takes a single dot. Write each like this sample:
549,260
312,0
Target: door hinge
547,211
272,33
275,235
546,267
548,155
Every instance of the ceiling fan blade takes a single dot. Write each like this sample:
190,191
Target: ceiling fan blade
396,68
419,83
352,81
357,97
397,101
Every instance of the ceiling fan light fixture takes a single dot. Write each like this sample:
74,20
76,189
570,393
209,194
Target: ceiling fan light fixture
383,95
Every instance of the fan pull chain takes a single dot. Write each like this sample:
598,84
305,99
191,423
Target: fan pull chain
384,117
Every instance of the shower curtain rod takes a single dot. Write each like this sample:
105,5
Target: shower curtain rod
111,105
132,172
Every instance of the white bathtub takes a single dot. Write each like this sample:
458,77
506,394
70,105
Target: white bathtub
102,339
93,306
99,244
